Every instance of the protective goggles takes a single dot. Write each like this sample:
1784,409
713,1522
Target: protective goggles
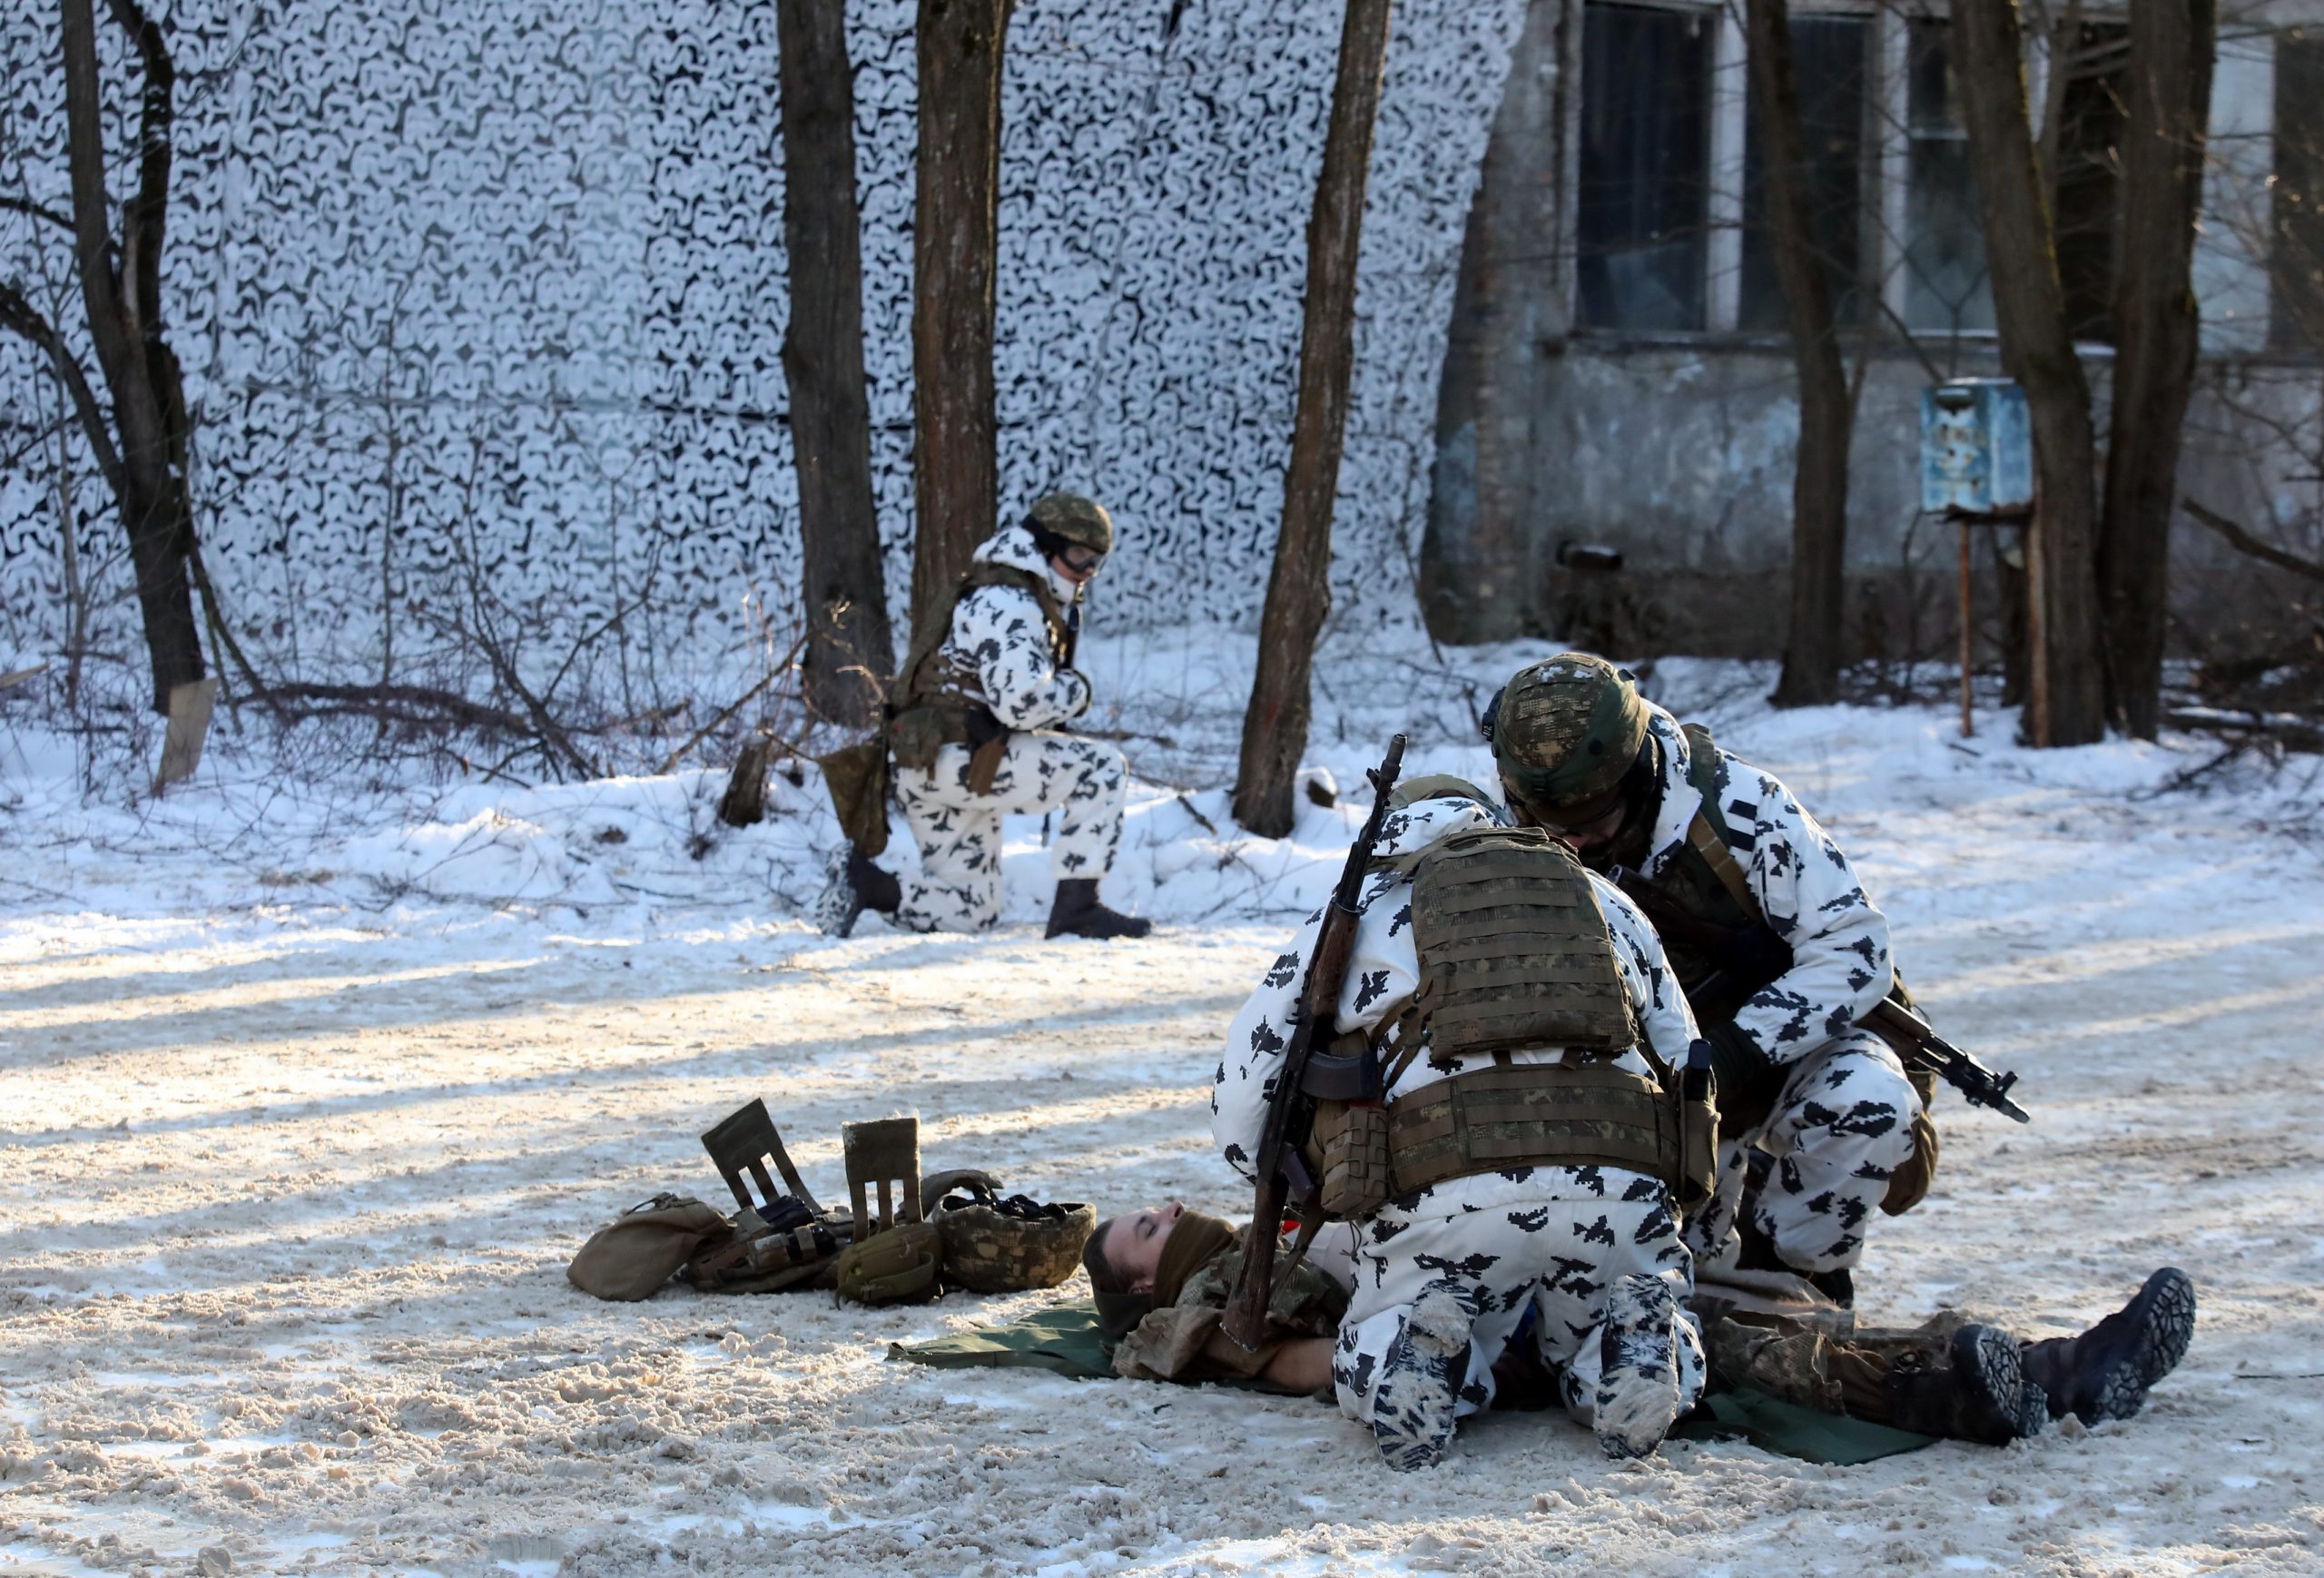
1078,557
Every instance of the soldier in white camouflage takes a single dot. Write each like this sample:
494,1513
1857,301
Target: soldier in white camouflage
1554,998
977,729
1782,952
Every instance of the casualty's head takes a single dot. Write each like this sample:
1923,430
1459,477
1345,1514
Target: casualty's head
1568,735
1073,533
1124,1255
1123,1258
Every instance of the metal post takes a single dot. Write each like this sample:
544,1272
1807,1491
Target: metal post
2037,644
1968,722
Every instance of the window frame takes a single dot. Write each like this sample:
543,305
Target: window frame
1887,185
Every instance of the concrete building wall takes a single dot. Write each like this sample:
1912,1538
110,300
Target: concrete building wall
1677,449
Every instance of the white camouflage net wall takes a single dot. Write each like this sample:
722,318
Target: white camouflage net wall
470,281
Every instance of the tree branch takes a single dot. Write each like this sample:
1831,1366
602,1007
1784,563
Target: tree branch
25,205
20,318
2243,542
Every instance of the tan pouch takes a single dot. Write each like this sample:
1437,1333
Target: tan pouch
1350,1150
1908,1186
896,1266
856,777
631,1256
1697,1124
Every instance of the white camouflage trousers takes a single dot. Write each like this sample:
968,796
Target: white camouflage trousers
1560,1241
1841,1126
958,888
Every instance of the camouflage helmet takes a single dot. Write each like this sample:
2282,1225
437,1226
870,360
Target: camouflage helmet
1564,731
1069,518
997,1246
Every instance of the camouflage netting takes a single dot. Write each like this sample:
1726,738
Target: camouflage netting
462,281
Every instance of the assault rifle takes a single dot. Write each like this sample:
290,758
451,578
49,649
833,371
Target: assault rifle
1306,1075
1921,1047
1744,959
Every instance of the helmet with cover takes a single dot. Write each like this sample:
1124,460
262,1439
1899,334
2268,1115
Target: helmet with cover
1565,734
1060,521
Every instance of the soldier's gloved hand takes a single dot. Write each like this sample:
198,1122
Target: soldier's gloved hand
1089,690
1736,1059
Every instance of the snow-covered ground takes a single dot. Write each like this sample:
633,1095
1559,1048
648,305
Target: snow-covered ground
308,1093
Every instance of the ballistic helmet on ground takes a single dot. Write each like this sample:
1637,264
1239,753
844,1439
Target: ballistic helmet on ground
995,1245
1564,732
1063,520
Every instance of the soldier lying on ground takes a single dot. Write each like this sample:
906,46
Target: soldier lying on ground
1161,1276
978,730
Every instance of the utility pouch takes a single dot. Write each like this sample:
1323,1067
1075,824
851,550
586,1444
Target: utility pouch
856,777
631,1256
987,742
916,733
1694,1092
1349,1149
1908,1186
896,1266
1564,1114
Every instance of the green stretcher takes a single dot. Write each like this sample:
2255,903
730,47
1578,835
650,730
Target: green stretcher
1063,1339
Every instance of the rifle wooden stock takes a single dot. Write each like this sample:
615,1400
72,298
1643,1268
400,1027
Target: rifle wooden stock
1290,1107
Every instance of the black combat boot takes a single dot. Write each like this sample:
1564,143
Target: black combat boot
1076,910
1972,1388
856,885
2104,1373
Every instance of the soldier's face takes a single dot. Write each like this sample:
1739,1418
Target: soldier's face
1134,1243
1602,829
1599,830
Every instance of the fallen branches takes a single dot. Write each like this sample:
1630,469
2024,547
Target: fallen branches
2243,542
415,705
2289,730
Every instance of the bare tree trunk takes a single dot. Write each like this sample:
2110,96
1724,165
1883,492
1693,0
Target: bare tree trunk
2173,44
955,234
1819,483
1299,590
121,287
2029,310
850,652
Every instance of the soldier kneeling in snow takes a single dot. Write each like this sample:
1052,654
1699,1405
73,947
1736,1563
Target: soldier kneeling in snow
1528,1028
1781,954
975,731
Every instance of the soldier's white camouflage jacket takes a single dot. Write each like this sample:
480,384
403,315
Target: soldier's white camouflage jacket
997,635
1385,969
1807,890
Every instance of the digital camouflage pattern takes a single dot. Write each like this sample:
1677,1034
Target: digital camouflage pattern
1012,1246
1567,730
1083,522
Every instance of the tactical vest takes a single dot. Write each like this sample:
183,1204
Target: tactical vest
1735,952
1723,950
1514,956
940,702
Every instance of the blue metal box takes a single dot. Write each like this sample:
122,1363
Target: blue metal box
1976,447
